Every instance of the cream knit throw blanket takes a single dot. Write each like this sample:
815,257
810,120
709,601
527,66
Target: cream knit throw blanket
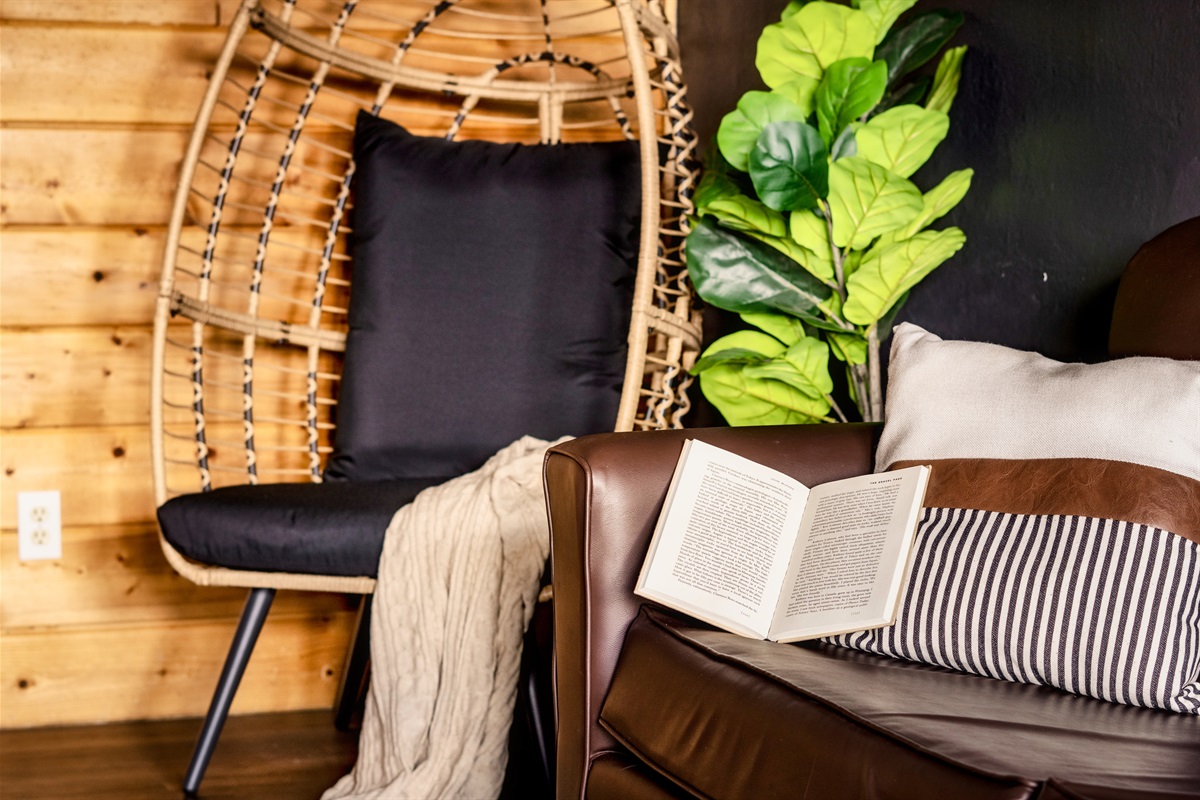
458,580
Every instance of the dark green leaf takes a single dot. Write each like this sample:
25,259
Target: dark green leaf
713,186
911,93
740,128
917,41
739,274
792,7
845,146
789,166
850,88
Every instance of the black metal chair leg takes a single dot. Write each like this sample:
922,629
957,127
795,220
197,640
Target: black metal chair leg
356,674
253,615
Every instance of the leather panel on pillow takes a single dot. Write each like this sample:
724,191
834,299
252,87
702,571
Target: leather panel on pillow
1075,486
491,298
1061,538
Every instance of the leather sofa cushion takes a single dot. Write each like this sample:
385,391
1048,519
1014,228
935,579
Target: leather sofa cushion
619,776
729,717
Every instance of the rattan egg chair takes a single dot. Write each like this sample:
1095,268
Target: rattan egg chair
254,306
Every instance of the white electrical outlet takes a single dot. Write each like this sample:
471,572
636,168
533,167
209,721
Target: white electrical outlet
39,525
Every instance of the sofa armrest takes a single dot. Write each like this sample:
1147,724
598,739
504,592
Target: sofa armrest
604,493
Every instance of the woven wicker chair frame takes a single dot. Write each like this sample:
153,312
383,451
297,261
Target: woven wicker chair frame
251,316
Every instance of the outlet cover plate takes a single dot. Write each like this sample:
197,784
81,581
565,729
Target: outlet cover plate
39,525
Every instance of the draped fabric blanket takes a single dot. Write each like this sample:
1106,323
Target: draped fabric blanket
458,580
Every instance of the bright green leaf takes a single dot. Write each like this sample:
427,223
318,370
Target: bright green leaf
804,367
789,166
888,272
901,139
851,87
883,13
755,342
741,127
801,91
737,273
783,327
848,347
883,328
747,214
810,232
917,41
866,200
730,355
945,81
754,401
809,40
746,401
938,201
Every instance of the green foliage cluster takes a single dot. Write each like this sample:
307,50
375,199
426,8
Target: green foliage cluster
808,224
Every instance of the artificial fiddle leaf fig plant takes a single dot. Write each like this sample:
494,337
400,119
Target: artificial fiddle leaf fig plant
809,226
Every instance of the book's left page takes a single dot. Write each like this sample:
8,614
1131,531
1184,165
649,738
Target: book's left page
721,546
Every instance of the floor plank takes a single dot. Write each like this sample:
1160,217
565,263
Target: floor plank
290,755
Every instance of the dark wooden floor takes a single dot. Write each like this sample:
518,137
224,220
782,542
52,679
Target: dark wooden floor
295,755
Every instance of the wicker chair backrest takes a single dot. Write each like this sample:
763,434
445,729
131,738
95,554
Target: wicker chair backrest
251,317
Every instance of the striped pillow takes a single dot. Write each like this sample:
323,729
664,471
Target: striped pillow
1061,540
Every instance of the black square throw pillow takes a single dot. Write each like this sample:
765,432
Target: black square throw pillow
491,296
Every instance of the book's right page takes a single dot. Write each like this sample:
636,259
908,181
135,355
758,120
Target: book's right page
851,558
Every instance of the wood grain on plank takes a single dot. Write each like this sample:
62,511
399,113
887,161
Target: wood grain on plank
145,671
117,574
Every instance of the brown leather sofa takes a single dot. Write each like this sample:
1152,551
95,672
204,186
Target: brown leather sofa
653,705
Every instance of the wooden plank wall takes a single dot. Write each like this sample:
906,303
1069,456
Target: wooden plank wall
98,99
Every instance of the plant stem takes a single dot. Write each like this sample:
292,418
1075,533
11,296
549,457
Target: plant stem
862,390
874,376
833,404
838,259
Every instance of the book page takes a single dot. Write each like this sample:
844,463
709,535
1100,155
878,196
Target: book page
721,547
851,557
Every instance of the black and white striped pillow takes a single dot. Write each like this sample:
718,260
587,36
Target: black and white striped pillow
1061,539
1098,607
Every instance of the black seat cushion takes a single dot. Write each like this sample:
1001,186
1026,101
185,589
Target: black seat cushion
492,290
727,716
331,528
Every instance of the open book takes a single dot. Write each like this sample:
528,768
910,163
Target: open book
751,550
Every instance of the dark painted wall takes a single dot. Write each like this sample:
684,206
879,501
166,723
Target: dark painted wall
1081,119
